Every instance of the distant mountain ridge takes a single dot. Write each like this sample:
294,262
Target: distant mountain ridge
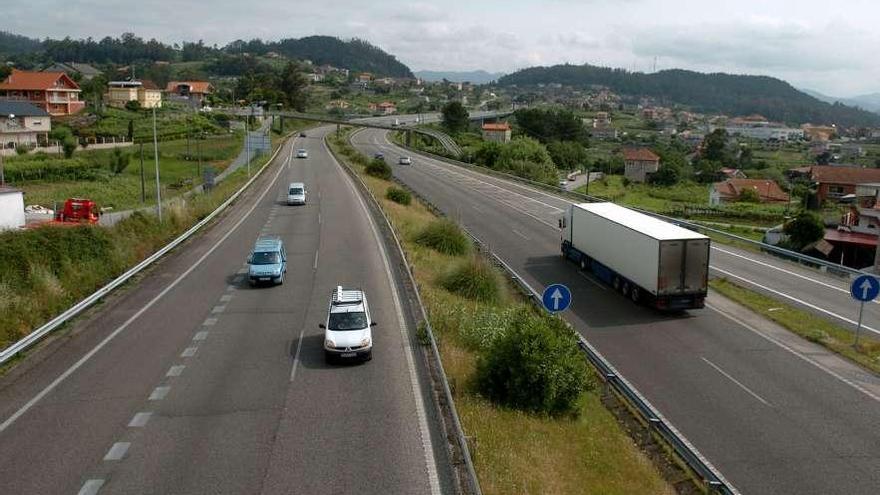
718,92
870,102
473,76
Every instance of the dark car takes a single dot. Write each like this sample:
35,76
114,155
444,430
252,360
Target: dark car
379,155
302,134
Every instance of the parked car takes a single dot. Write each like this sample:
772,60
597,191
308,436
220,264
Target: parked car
379,155
302,153
348,328
267,261
563,183
302,134
296,193
405,160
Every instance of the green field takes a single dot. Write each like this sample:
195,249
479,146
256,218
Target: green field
123,191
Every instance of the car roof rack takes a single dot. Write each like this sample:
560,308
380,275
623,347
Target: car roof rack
351,296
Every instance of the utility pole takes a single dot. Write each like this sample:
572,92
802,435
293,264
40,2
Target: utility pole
143,178
156,157
199,166
247,140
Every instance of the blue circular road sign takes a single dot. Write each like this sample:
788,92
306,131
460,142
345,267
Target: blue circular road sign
865,288
556,298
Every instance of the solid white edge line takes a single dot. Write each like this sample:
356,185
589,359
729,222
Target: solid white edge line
734,380
784,346
796,300
88,356
424,430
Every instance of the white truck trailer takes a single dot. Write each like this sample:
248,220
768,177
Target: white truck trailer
651,261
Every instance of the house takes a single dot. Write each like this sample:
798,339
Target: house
836,182
758,127
11,208
819,132
364,77
497,132
54,92
85,71
23,124
731,190
639,163
193,92
314,77
386,108
146,93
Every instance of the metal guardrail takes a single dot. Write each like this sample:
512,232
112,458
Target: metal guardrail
824,265
53,324
708,474
472,481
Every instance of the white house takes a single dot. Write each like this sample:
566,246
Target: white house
23,124
11,208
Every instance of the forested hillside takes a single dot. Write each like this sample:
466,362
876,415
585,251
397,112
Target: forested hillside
724,93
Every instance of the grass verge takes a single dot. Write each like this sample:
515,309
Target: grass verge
809,326
513,451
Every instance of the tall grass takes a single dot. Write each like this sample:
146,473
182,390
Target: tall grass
444,236
474,279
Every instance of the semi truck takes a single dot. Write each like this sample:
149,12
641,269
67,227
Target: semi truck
651,261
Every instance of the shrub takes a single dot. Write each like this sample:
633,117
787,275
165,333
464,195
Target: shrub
133,106
398,195
474,279
378,168
535,366
444,236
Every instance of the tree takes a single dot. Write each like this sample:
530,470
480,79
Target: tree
293,85
551,125
130,130
714,147
455,117
64,136
118,161
805,229
668,175
568,155
749,195
523,149
133,105
487,154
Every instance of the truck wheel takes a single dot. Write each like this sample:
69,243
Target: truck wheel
625,289
635,294
583,263
616,283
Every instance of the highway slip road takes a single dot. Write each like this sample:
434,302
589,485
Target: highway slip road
775,415
193,382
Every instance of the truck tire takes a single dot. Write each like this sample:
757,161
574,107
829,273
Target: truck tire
616,283
635,294
583,263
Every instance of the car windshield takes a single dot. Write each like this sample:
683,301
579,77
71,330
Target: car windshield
347,321
265,258
294,191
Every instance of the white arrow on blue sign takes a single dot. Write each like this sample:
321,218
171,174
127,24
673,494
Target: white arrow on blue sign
556,298
865,288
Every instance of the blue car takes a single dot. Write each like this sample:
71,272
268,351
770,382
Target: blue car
267,263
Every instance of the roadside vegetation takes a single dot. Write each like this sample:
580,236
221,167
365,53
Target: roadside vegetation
538,426
45,270
809,326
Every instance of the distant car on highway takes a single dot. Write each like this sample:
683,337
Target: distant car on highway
348,328
302,134
267,262
379,155
296,193
405,160
302,153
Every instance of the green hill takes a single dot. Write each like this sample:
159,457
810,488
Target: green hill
723,93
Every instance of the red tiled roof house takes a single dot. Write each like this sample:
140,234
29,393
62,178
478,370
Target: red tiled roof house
768,191
54,92
194,91
837,182
500,132
639,163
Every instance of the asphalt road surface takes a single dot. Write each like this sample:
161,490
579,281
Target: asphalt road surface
776,415
193,382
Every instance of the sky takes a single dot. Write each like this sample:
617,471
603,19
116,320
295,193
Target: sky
825,46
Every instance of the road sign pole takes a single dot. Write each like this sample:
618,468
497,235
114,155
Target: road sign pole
859,326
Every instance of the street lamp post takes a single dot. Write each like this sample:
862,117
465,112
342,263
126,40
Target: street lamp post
247,140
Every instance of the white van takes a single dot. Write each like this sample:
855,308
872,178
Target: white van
296,193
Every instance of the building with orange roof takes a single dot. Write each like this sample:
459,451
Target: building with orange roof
499,132
54,92
639,163
768,191
194,92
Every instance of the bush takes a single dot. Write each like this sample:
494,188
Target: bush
378,168
474,279
444,236
535,366
133,106
398,195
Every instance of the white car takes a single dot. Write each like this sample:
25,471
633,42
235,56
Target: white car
563,184
302,153
296,193
405,160
348,329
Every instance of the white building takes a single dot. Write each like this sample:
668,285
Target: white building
11,208
23,124
757,127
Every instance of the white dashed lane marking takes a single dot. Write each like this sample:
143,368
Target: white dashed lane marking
175,370
201,335
160,392
218,309
91,487
140,420
117,451
189,352
225,298
209,322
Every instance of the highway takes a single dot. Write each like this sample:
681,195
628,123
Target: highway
775,414
192,382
